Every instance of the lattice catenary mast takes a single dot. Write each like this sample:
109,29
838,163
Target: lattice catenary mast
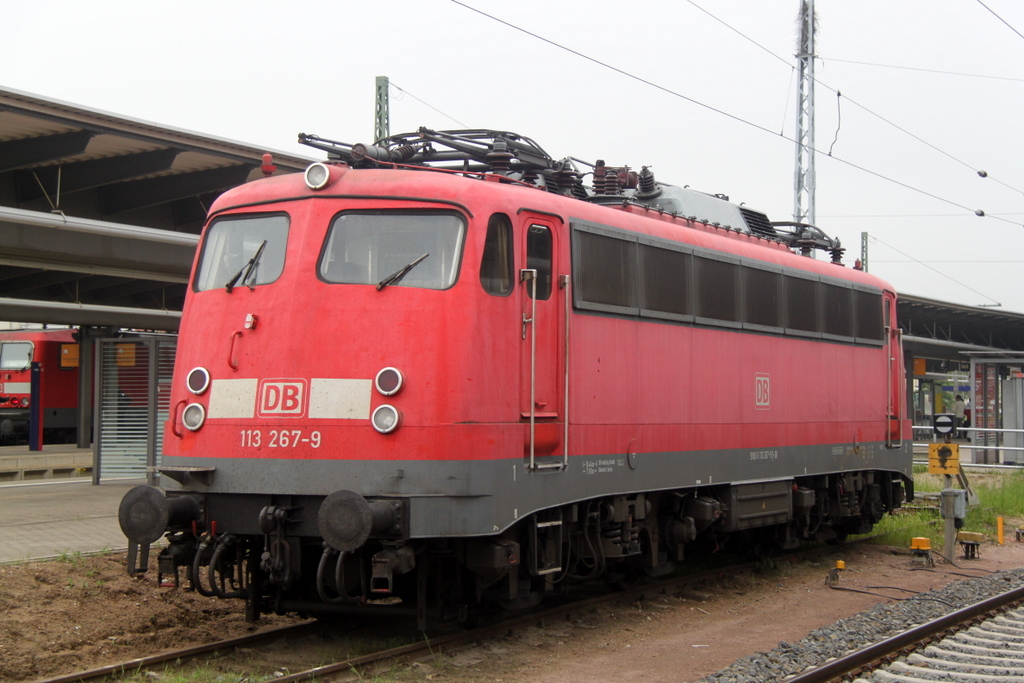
381,124
803,201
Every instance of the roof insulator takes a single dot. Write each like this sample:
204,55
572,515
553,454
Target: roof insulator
499,158
648,187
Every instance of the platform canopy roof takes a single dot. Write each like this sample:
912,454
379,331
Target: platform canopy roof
100,214
943,325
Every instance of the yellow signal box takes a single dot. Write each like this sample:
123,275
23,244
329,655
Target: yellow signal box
944,458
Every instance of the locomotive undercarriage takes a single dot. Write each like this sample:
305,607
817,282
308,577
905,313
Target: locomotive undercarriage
14,427
278,562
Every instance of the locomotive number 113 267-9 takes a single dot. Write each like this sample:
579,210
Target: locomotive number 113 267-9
279,438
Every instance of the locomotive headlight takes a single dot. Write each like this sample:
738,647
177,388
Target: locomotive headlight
198,380
385,419
16,402
389,381
194,416
317,176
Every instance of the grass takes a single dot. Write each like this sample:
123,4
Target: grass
898,529
1000,495
68,557
242,668
194,675
73,558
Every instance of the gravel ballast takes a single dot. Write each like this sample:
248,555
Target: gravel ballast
854,633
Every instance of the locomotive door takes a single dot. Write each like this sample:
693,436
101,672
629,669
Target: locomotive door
541,293
896,383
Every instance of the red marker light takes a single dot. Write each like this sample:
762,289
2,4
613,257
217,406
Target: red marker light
268,166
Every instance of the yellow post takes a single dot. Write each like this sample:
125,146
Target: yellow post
999,529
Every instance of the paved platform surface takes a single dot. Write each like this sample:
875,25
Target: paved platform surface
59,461
44,520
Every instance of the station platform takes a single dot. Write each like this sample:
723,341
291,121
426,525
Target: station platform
18,463
56,517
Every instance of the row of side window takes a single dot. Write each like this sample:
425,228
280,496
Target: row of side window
625,273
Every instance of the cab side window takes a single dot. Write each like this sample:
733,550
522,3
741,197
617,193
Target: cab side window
496,266
538,257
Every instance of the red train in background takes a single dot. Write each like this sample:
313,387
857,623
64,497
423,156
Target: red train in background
443,370
56,352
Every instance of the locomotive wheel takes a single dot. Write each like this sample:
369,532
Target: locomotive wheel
523,601
838,539
623,579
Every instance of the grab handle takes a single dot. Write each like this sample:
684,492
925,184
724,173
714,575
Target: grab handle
231,352
174,419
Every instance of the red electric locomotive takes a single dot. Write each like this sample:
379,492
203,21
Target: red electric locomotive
56,352
442,369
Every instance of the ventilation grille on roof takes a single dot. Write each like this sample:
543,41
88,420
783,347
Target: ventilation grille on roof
758,223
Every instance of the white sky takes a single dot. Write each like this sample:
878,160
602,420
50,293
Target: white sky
260,72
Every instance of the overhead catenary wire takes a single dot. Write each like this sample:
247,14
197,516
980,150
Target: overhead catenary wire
789,92
617,70
936,270
915,68
839,95
881,176
426,104
957,261
981,173
910,215
1000,18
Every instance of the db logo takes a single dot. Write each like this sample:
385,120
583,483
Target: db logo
762,391
282,398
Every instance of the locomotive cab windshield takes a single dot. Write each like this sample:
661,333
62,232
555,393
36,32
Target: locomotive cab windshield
15,355
245,251
373,248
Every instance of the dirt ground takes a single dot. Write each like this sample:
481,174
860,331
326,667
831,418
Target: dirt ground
63,616
78,613
688,636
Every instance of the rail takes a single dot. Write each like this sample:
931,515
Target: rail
844,667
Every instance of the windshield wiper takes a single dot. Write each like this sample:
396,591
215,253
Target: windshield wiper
399,274
246,270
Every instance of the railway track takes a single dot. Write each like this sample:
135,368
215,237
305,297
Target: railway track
980,642
420,648
182,654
